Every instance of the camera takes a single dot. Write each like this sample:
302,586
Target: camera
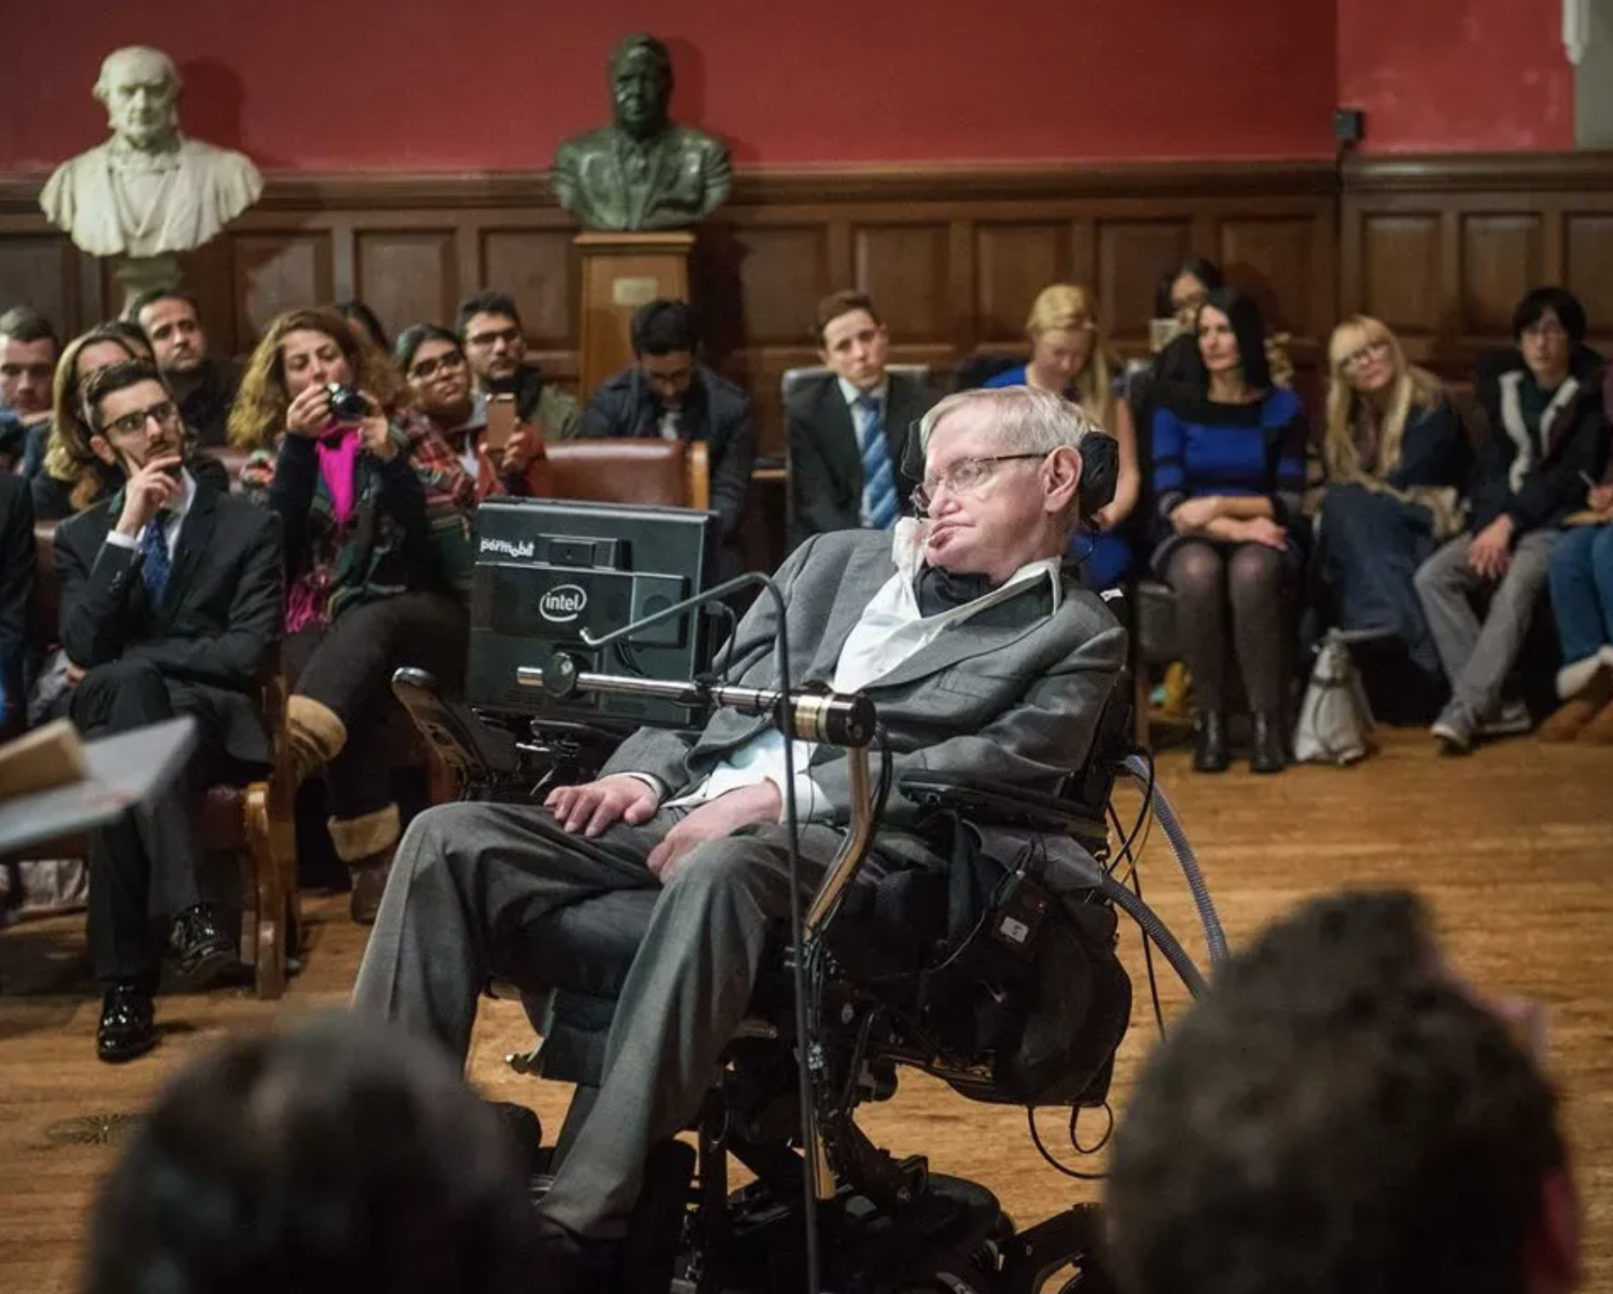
346,404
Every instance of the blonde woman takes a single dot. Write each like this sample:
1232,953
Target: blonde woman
1397,461
1070,357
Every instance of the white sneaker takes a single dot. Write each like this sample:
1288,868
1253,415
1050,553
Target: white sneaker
1510,721
1454,729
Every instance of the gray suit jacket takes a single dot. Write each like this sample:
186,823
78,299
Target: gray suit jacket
1014,704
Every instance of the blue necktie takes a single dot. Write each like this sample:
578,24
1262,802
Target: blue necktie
156,568
879,477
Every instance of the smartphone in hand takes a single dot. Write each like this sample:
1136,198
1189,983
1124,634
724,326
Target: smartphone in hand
501,422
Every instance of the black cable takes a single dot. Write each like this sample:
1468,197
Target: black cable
1036,1139
1108,1131
1134,876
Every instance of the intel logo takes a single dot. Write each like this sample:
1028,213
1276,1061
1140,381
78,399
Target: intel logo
562,604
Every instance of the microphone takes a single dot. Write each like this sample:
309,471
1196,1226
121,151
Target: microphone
829,718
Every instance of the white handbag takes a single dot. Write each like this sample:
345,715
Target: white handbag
1335,720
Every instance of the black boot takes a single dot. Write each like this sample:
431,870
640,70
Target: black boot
1266,747
1210,753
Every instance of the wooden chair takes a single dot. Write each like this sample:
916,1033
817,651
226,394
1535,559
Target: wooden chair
253,822
672,473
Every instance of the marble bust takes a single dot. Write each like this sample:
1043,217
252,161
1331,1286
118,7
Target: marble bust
148,191
641,172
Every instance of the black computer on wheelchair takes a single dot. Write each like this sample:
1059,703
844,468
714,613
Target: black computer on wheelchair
1000,979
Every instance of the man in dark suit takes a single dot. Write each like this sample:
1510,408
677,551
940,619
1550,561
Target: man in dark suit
203,387
982,660
17,575
666,394
170,605
848,429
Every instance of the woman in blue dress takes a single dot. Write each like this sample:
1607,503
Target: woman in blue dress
1229,469
1070,357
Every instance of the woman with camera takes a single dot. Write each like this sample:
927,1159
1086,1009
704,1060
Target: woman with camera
368,576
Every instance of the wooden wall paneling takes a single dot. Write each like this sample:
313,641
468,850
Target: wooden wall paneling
1502,258
1401,272
536,266
904,268
1131,255
41,270
407,276
275,271
1014,260
961,284
1272,257
1588,263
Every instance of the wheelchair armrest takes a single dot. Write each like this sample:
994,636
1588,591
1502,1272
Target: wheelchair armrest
1002,804
470,748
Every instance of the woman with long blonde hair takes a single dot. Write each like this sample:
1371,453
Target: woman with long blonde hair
1397,464
1070,357
369,589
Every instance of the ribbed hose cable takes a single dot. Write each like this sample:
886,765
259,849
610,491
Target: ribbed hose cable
1130,902
1215,938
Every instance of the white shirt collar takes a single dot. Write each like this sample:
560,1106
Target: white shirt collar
907,552
851,394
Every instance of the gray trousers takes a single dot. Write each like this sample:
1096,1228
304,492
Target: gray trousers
470,887
1478,655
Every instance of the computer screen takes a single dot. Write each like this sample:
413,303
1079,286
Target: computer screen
546,570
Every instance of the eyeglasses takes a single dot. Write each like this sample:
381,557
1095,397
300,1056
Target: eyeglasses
966,476
1546,330
429,367
483,340
132,424
1372,350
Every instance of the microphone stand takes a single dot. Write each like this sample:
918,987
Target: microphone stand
831,719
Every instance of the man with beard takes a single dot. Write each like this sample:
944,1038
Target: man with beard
203,387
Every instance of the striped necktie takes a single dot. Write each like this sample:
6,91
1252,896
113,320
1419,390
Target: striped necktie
879,477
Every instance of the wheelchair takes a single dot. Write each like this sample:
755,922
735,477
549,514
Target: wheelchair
1001,979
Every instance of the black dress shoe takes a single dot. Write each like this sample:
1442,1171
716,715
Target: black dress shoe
1266,748
1210,752
128,1024
201,948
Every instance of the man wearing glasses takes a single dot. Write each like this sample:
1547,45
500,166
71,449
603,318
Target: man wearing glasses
170,604
1540,445
983,662
491,332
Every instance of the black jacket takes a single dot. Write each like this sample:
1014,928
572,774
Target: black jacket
826,469
715,411
206,407
17,577
1543,491
218,625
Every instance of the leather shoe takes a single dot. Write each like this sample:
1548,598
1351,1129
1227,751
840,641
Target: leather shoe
201,948
1266,753
128,1024
1210,751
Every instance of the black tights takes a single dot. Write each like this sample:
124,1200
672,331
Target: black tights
1207,578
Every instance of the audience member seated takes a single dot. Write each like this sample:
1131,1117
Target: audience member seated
982,661
1581,575
1397,463
1542,406
17,575
439,379
28,349
205,388
667,394
1229,465
334,1157
1070,357
491,333
360,316
848,429
72,476
368,589
170,604
1341,1113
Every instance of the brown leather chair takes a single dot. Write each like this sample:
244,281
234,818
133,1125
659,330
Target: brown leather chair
672,473
254,822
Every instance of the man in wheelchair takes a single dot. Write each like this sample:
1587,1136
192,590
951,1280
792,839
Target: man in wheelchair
985,663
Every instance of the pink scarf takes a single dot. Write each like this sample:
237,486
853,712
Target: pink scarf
338,456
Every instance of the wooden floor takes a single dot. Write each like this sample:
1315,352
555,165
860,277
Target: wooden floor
1511,846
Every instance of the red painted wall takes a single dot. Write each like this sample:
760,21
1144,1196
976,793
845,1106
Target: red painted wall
339,85
1457,75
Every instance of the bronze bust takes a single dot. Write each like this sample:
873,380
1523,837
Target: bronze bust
642,172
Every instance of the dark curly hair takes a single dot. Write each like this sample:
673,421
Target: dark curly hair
335,1158
1336,1115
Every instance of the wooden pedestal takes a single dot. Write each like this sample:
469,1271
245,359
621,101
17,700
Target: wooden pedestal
620,273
